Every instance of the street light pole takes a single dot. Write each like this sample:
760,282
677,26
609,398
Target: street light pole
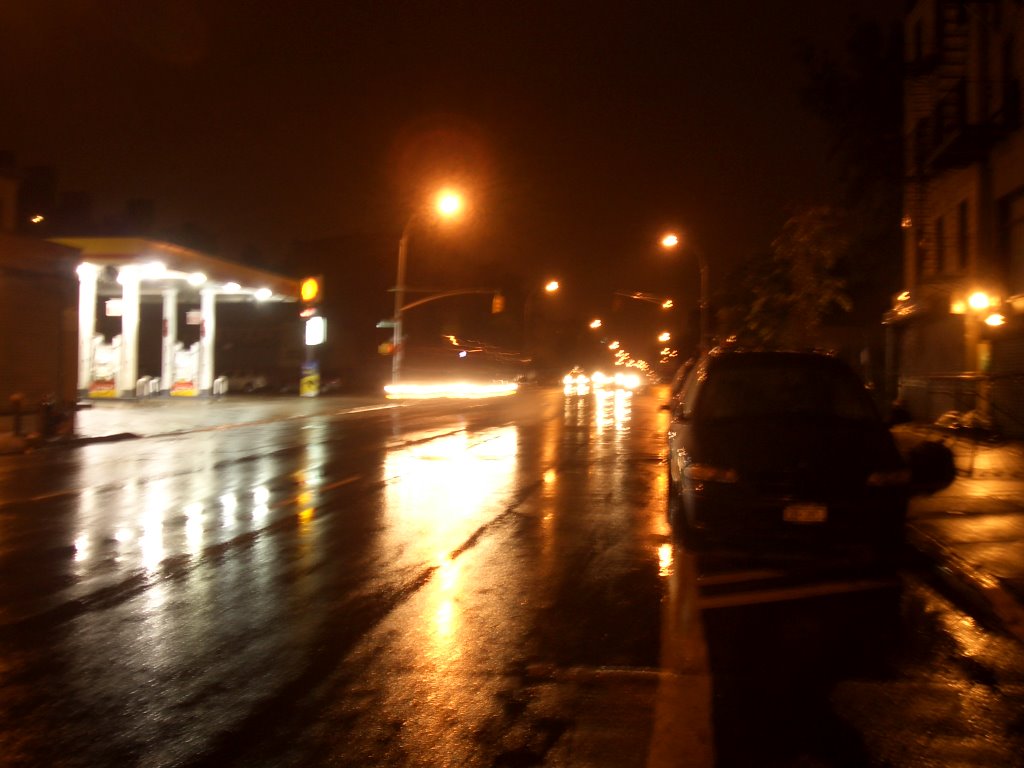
703,264
398,350
550,287
671,240
447,205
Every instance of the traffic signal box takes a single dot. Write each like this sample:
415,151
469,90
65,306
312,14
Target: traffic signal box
497,304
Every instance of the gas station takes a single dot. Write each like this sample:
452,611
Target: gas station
118,274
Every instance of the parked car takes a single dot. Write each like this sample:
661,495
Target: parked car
774,451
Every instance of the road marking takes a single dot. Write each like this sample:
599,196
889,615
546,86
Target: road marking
793,593
682,732
733,577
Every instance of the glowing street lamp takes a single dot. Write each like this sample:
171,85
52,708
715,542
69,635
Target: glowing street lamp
447,205
664,336
596,323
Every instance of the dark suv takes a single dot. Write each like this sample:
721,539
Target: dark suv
781,449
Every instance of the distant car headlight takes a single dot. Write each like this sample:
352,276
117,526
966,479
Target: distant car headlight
707,473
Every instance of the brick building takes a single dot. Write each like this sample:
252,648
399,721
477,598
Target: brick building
957,328
38,320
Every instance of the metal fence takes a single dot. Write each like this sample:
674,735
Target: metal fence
991,403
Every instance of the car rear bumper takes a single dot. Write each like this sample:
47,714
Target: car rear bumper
871,520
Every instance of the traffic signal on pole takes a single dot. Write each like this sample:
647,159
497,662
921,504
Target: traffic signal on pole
497,304
310,292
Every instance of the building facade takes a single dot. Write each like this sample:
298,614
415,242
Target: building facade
957,328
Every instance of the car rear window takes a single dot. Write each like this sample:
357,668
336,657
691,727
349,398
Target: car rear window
782,386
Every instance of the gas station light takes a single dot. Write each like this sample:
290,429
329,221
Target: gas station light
316,331
263,294
196,279
154,270
310,290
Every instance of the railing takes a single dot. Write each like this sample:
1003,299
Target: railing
989,405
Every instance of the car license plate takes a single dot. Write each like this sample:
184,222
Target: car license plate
805,513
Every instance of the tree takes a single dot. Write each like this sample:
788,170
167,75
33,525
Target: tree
859,99
793,288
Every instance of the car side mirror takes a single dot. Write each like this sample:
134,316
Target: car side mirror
932,467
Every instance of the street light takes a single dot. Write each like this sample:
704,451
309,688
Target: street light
551,286
447,205
671,241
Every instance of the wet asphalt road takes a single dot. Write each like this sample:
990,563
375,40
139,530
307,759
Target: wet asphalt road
452,584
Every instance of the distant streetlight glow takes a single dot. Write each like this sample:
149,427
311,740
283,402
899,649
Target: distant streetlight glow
614,345
666,336
671,240
596,323
552,286
995,320
667,304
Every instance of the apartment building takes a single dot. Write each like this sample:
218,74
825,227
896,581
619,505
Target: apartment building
957,328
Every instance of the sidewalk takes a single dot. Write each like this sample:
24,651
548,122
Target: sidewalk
973,530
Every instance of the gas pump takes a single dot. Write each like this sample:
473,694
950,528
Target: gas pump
106,360
186,370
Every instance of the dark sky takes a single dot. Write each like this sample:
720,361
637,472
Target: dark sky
579,130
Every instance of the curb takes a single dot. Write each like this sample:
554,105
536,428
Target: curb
983,588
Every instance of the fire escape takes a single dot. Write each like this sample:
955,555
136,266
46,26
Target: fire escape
959,112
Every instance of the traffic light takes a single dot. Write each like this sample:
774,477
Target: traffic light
497,304
310,291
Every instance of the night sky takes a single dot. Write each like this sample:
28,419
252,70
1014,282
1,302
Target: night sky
580,131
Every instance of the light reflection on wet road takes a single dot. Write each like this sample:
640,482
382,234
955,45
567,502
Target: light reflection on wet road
209,597
488,584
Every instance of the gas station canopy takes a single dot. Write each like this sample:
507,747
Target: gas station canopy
164,266
128,271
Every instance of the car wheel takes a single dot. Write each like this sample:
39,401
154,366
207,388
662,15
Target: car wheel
675,503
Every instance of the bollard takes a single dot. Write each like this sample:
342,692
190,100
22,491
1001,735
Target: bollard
47,426
17,400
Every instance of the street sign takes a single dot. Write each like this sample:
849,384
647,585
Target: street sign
386,324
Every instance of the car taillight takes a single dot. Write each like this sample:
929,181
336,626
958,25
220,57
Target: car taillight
889,479
708,473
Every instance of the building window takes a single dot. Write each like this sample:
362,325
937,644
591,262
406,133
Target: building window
1012,242
962,237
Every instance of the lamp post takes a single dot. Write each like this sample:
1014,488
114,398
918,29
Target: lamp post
671,241
551,286
447,205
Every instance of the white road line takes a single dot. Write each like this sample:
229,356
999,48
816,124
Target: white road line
793,593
